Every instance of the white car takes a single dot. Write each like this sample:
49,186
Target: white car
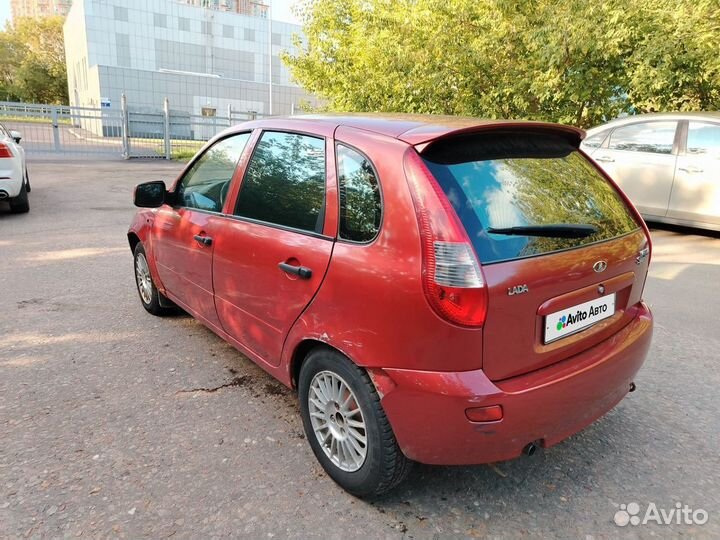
14,179
667,163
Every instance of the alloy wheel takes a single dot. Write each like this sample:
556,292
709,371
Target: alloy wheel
144,281
337,421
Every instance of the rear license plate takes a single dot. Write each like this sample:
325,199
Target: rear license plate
573,319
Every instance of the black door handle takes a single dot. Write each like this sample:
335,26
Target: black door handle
302,271
204,240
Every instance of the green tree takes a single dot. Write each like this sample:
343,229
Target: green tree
33,66
8,53
676,64
577,61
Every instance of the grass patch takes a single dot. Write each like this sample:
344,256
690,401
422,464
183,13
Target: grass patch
182,154
181,150
33,119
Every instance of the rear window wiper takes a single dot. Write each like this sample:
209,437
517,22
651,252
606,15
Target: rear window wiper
560,230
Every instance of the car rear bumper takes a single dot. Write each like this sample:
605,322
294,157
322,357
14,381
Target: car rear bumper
11,178
427,409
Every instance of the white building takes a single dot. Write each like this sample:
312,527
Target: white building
202,59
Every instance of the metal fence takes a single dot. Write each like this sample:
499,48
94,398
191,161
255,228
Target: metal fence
127,132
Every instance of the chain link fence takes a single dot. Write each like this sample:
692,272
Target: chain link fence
127,132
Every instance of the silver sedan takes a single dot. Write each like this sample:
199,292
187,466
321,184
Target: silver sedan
668,164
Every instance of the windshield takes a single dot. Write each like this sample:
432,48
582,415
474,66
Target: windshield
525,180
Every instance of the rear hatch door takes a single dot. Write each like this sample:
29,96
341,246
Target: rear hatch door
564,257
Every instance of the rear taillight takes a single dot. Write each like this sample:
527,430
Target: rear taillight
452,279
5,151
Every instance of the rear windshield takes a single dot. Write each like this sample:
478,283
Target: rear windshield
504,180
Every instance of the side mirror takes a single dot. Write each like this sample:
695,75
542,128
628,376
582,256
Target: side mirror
16,135
150,194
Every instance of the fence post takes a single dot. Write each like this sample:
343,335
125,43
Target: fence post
166,110
229,114
125,127
55,128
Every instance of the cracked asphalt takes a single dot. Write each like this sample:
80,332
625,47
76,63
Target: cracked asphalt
114,423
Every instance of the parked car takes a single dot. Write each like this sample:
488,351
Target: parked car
14,179
437,290
668,164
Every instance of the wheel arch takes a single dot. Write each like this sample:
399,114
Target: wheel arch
300,353
140,235
133,240
382,382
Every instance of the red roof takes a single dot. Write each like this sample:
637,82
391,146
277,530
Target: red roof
414,129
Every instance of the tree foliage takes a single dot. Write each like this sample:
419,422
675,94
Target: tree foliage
33,61
577,61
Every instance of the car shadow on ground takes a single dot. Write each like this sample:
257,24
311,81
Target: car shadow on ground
5,210
682,229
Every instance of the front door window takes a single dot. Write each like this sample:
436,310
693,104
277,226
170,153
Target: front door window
205,185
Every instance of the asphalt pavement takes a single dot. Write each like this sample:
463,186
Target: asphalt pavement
114,423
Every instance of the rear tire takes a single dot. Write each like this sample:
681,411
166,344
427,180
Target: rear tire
331,383
150,298
20,204
27,182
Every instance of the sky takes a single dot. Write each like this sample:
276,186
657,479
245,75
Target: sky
281,10
5,12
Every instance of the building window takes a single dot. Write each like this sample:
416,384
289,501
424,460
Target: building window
249,34
206,27
120,13
228,31
208,112
276,39
160,20
122,49
184,24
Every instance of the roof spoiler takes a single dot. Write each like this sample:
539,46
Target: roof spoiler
422,139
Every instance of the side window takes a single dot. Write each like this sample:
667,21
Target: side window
653,137
703,139
596,140
285,182
360,205
206,184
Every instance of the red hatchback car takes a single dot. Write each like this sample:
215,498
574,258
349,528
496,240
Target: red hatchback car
447,291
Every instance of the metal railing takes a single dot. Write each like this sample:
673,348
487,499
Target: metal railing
127,132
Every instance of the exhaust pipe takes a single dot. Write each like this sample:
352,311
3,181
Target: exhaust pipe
632,387
3,195
530,449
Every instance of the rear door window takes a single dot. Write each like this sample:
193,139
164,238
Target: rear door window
285,182
360,204
703,139
652,137
501,181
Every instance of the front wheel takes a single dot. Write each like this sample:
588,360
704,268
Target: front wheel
346,426
150,297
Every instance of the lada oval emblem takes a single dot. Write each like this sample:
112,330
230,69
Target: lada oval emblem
600,266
